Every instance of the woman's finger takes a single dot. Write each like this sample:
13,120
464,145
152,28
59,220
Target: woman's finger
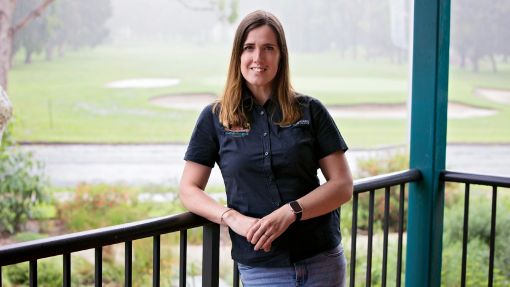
267,244
258,234
263,239
252,230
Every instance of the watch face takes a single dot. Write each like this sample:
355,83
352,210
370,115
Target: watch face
295,206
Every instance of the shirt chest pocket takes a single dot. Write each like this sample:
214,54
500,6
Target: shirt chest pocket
240,154
299,145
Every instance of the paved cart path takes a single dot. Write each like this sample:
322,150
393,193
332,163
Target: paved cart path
67,165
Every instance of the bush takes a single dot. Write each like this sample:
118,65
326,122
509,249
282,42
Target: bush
94,206
22,185
49,274
478,241
373,166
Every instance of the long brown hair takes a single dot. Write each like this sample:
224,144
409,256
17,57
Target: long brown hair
231,109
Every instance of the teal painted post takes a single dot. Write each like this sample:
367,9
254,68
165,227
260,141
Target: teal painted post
431,37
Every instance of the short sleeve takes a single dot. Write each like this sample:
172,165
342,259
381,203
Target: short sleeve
203,146
328,137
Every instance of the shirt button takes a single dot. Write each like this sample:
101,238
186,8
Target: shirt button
265,134
266,153
261,113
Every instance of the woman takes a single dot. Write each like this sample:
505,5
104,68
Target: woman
269,142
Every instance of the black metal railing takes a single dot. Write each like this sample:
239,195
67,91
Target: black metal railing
96,239
494,182
371,185
125,233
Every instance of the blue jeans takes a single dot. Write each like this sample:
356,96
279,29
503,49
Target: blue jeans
326,269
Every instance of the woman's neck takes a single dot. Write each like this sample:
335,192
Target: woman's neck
261,95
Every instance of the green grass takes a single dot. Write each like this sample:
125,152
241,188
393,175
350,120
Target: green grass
66,100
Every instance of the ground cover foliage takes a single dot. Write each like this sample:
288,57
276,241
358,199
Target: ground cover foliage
94,206
66,100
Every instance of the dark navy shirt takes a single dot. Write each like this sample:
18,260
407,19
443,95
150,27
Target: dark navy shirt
267,166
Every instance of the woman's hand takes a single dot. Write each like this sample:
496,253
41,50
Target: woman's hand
238,222
270,227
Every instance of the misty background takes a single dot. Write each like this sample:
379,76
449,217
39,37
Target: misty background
343,52
364,28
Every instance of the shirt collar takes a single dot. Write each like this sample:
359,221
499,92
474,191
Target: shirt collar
248,100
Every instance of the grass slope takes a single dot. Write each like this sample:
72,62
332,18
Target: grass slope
66,100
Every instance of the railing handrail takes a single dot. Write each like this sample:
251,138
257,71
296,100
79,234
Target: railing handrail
42,248
389,179
58,245
481,179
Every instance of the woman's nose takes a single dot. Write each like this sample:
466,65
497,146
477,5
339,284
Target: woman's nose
257,55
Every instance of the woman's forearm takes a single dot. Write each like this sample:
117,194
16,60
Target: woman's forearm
326,198
192,195
336,191
200,203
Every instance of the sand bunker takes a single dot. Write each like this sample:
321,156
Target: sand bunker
191,101
498,96
197,102
143,83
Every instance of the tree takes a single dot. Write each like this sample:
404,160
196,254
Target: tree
77,24
480,30
33,37
226,12
8,30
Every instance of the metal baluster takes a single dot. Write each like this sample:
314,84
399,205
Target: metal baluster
128,263
400,232
211,256
98,269
67,269
465,236
182,258
493,234
370,238
353,239
156,246
236,275
385,240
33,273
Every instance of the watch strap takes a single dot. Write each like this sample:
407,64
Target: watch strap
296,209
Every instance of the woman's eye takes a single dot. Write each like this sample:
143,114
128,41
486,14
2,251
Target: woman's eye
270,48
247,48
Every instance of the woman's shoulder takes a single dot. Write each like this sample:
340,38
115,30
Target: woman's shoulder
307,101
209,113
212,108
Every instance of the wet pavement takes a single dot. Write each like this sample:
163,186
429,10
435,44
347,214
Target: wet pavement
67,165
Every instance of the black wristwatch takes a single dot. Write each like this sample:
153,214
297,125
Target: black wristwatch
297,209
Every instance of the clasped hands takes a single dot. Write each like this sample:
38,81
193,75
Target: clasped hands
261,232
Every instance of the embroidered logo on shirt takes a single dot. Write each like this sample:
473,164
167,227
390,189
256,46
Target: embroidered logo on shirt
302,123
297,124
237,132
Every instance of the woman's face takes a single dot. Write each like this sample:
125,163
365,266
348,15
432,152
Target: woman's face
260,58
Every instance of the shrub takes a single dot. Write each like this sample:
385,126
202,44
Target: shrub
22,185
372,166
94,206
478,241
50,273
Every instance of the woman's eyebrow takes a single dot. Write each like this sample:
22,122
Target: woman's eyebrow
265,44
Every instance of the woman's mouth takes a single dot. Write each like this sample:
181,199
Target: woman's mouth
258,69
